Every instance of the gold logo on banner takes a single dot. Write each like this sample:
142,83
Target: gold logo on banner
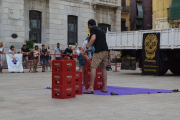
150,44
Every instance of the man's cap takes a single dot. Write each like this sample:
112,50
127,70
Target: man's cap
36,45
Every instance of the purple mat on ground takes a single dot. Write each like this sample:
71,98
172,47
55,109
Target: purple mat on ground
129,91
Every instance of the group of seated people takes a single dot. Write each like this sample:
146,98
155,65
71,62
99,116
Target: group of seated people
45,57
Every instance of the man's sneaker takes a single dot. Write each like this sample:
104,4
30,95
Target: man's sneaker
46,70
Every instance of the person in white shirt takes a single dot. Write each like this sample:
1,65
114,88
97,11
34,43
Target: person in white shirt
58,50
12,50
79,50
1,53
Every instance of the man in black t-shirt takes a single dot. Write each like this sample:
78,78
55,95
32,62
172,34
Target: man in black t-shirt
98,39
69,52
25,51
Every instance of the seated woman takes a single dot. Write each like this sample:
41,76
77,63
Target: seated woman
36,58
12,50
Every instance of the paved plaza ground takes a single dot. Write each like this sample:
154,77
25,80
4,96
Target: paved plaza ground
23,97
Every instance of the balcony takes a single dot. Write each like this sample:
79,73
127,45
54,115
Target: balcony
125,9
107,3
124,29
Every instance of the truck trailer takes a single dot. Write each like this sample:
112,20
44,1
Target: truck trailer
130,44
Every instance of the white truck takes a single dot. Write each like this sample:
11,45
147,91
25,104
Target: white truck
130,44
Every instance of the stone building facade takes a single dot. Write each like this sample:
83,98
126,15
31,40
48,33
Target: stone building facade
54,21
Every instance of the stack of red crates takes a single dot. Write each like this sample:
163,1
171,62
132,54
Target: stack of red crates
98,83
63,79
78,82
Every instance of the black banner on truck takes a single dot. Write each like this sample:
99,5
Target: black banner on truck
150,53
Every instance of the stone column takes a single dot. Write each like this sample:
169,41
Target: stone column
118,20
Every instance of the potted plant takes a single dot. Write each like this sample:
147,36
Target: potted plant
30,44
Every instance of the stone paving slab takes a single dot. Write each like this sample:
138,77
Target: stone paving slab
23,97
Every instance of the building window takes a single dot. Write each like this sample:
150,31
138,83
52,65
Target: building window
123,24
123,2
104,27
35,26
72,30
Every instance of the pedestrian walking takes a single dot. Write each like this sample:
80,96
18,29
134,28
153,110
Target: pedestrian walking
98,39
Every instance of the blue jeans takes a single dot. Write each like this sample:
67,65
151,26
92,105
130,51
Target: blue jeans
43,61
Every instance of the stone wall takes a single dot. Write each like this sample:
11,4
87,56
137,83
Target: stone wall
15,19
13,22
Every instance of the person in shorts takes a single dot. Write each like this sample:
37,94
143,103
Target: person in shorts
98,39
36,58
85,56
58,50
48,59
43,57
25,51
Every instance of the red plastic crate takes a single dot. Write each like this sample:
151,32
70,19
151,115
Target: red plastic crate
88,65
78,88
63,92
98,84
75,56
63,79
63,66
99,75
87,75
78,77
87,83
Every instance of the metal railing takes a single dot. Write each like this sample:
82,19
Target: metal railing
125,9
124,29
